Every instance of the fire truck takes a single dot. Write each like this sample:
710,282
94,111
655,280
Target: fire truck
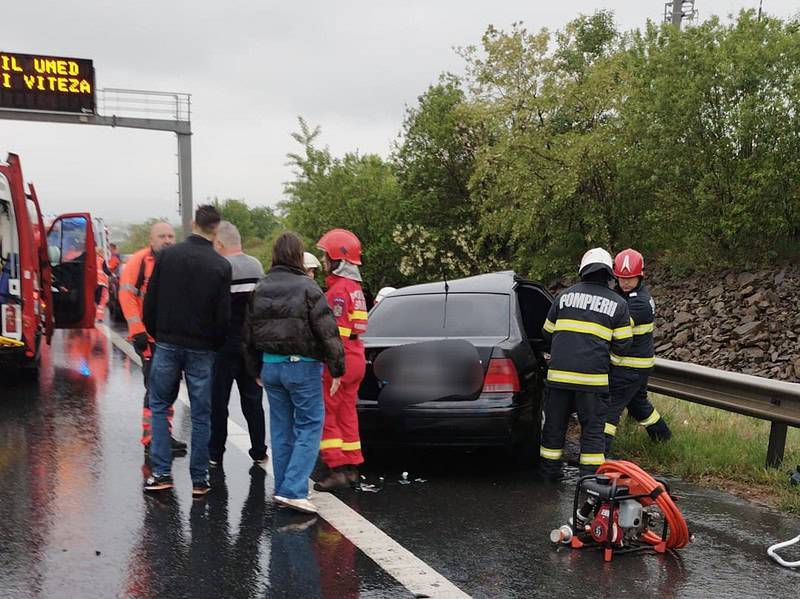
47,281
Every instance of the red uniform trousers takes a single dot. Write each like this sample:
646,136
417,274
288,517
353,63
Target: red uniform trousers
341,444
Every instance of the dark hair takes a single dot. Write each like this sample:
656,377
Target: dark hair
288,251
207,218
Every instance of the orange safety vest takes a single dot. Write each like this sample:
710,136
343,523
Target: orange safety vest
132,287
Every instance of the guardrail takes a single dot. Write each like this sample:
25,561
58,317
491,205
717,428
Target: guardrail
776,401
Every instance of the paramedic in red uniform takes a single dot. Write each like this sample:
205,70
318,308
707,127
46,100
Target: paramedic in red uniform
132,288
341,444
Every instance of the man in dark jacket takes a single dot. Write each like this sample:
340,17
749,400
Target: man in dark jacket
586,323
631,370
229,366
187,310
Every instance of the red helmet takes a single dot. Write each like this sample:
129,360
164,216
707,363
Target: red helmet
341,244
629,263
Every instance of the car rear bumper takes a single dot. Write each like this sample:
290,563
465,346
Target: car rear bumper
479,423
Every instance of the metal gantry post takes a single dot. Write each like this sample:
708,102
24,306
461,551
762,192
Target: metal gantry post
185,181
677,12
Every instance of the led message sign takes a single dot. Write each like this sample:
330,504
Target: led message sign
33,82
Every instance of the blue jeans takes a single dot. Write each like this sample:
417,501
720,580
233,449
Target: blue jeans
296,413
169,361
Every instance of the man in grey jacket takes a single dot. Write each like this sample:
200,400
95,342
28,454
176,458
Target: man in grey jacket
230,366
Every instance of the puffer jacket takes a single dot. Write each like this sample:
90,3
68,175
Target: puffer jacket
288,315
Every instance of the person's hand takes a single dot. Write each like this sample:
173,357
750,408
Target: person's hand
140,342
258,380
335,384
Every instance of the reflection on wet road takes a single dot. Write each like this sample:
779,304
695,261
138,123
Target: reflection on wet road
75,523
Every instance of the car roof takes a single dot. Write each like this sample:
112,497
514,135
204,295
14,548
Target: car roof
495,282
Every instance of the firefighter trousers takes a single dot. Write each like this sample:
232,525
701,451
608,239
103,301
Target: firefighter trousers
629,390
341,443
147,415
559,405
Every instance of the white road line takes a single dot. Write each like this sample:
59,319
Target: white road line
410,571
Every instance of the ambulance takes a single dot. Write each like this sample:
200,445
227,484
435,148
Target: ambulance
47,281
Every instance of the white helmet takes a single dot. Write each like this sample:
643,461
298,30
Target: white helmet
383,293
310,261
596,259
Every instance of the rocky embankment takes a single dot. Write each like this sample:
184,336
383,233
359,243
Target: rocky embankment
740,321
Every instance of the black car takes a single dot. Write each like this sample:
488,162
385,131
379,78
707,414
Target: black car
501,315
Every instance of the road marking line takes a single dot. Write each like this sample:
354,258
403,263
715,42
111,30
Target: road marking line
397,561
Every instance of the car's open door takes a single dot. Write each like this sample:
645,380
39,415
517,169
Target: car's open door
70,248
45,270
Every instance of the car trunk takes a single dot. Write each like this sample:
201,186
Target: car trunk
370,386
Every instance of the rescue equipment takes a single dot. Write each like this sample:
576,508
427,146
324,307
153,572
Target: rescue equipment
622,509
772,552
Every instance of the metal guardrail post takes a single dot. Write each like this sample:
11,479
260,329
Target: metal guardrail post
777,444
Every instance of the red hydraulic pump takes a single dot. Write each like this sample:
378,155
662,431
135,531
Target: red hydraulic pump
622,509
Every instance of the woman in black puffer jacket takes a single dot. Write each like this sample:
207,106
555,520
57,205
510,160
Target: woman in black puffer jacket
289,331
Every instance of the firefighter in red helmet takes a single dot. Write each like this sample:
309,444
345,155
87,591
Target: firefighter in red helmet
341,445
630,369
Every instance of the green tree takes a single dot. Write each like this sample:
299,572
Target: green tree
355,192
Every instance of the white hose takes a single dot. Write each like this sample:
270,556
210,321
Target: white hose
771,552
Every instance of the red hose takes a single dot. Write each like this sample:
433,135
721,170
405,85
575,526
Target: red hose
678,532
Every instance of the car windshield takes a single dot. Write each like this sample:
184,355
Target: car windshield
468,315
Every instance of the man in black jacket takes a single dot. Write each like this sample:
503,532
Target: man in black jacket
187,310
585,324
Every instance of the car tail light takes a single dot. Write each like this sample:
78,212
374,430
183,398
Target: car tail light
501,377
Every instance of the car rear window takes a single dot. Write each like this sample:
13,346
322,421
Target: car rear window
467,315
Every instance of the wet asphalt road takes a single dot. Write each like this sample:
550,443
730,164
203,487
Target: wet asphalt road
74,522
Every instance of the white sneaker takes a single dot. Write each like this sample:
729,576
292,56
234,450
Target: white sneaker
301,505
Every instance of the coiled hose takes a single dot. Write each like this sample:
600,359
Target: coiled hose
678,532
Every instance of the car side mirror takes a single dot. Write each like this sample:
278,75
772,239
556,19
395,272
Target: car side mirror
54,253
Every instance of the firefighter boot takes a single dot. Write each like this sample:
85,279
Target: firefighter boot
352,476
659,432
549,470
337,479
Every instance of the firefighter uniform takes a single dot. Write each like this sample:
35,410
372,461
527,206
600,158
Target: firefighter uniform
132,288
585,323
341,444
630,371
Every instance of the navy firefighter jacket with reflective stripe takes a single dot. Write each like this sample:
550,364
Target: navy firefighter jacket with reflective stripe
640,354
586,323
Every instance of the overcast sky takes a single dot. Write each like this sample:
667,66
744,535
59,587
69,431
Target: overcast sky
253,66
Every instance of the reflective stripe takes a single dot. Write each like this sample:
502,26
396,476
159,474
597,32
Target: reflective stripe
354,446
345,332
134,320
550,454
643,329
592,459
130,289
330,443
631,362
8,342
651,419
625,332
583,326
579,378
243,287
610,429
548,327
358,315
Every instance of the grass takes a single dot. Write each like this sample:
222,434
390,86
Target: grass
716,448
